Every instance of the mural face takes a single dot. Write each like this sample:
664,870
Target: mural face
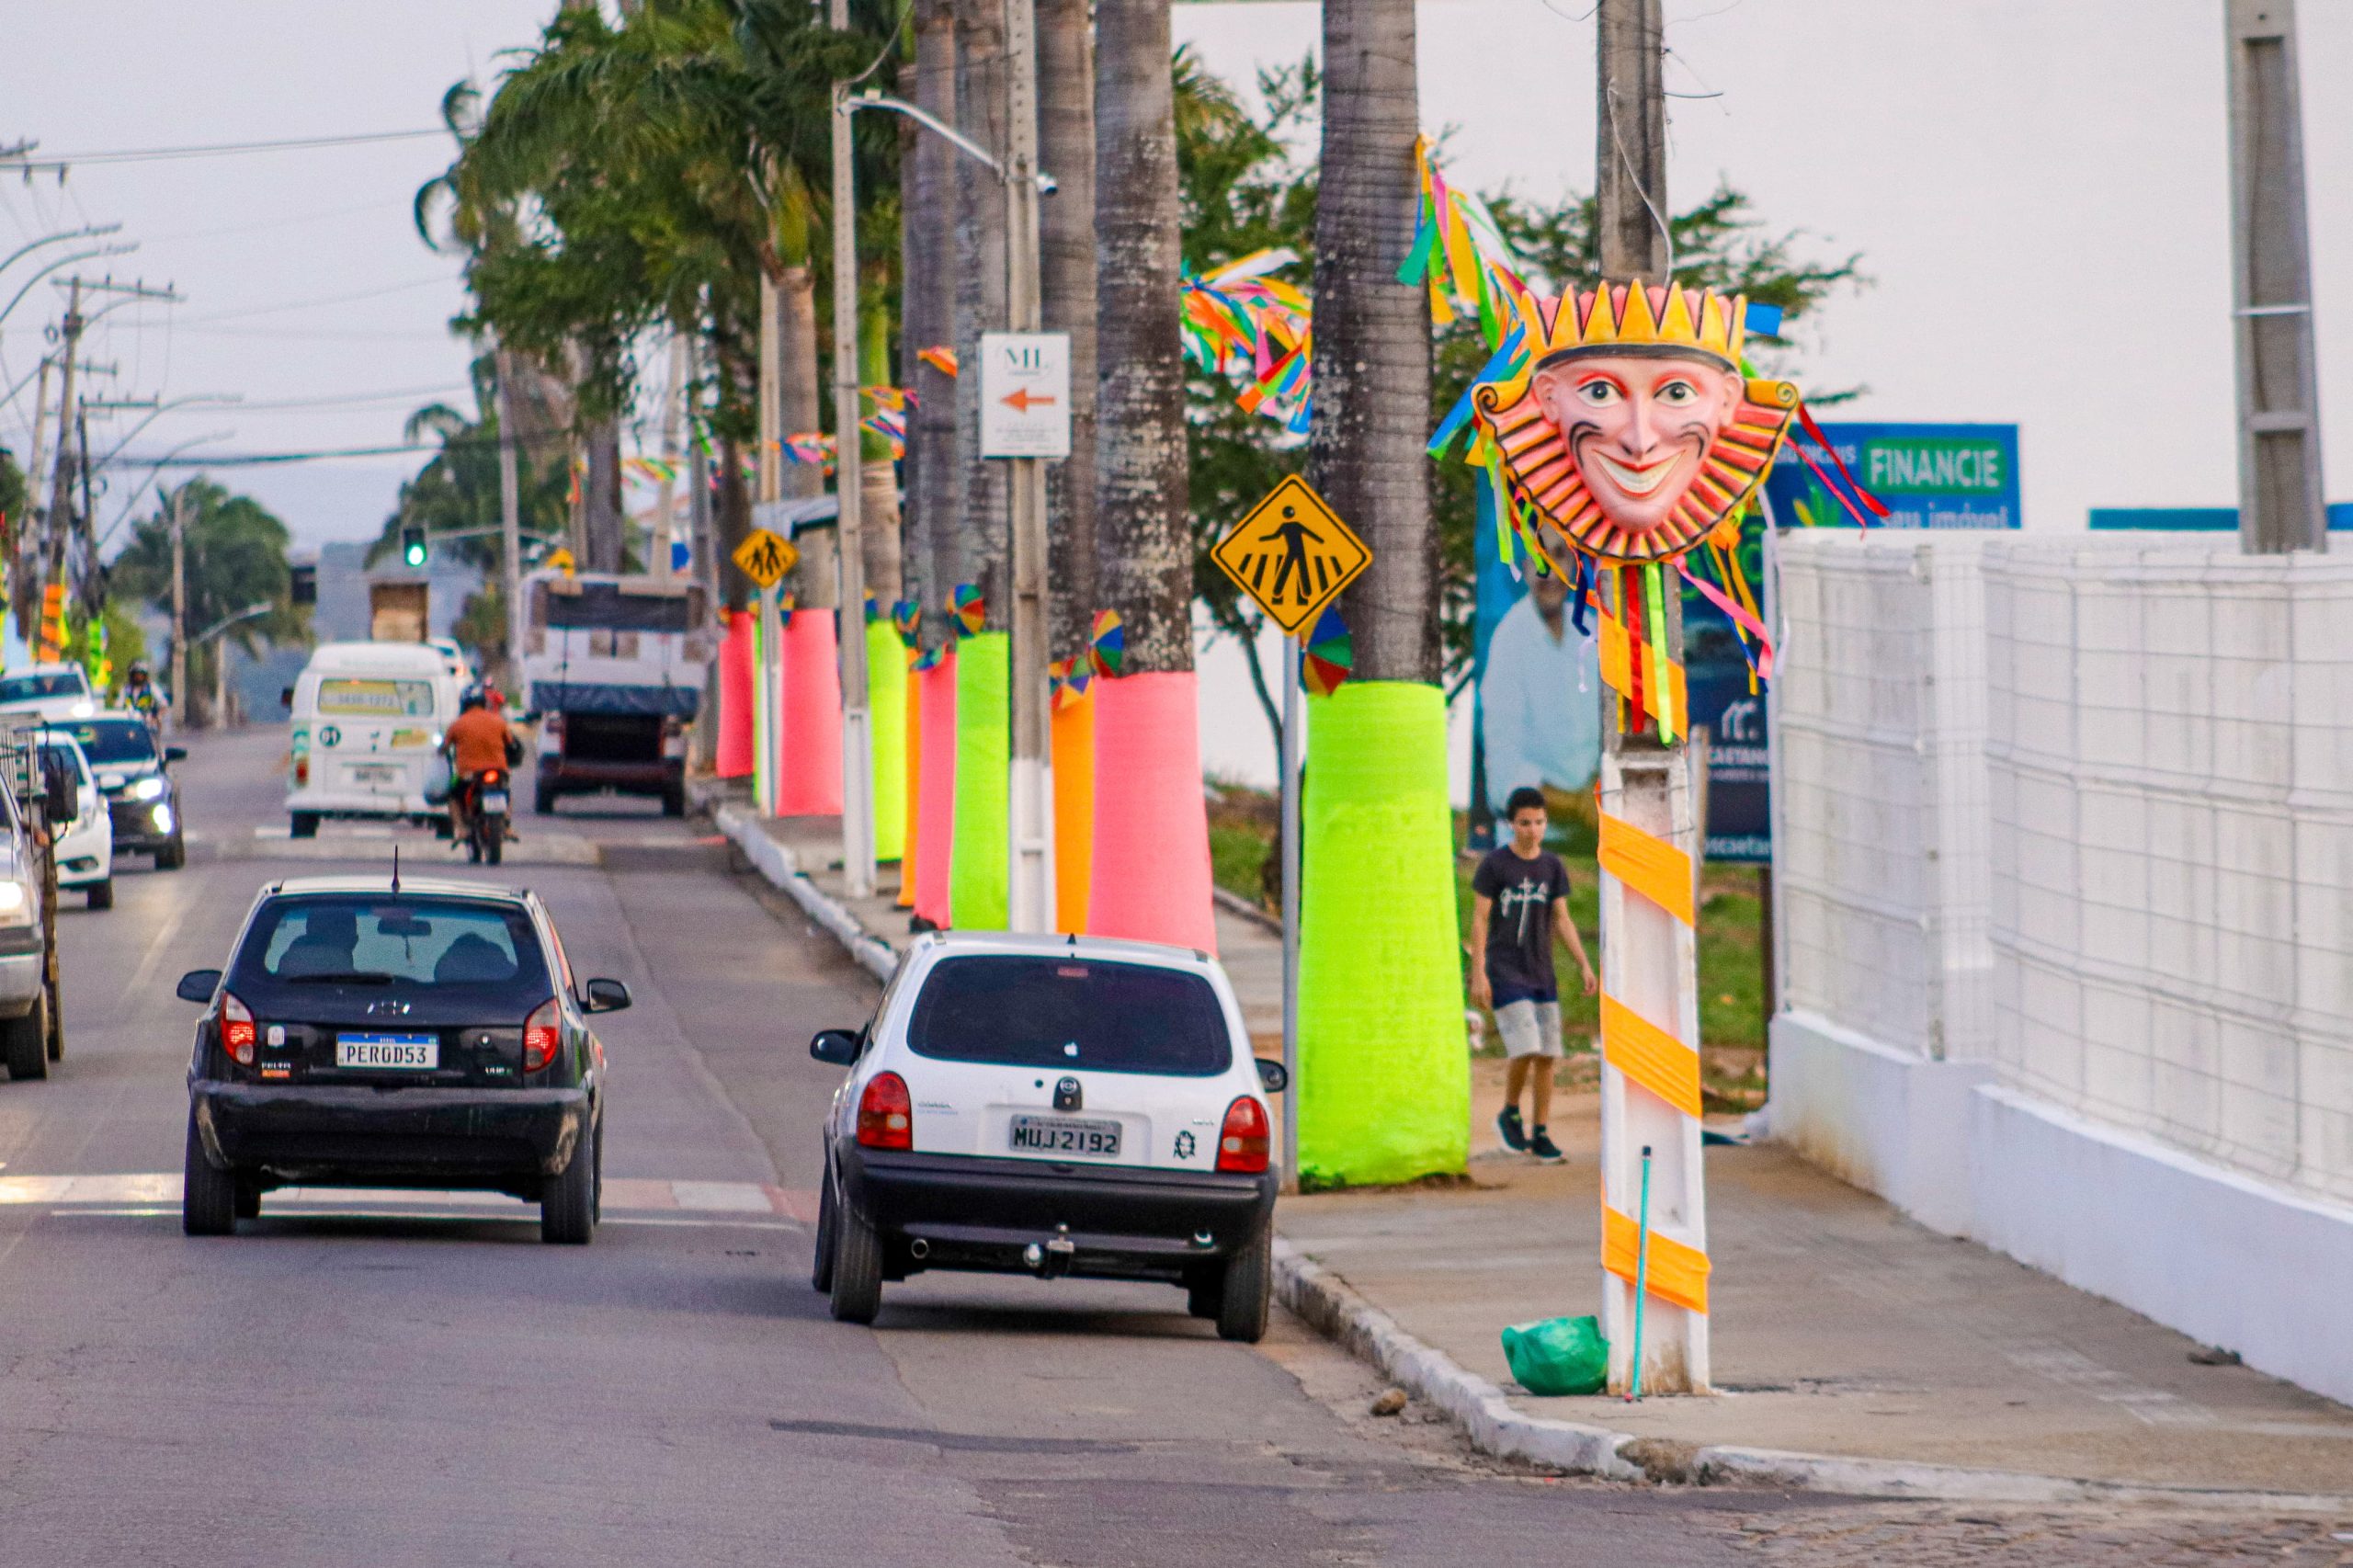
1631,434
1639,426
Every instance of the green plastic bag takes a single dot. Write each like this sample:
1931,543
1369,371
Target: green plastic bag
1558,1356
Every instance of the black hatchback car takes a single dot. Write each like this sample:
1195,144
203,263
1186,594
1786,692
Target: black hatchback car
399,1033
143,797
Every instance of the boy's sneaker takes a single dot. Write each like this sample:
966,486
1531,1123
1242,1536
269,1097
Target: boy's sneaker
1544,1149
1514,1137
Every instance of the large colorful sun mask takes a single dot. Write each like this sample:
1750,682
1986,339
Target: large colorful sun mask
1628,428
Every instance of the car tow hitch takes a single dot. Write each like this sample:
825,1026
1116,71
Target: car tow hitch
1051,1260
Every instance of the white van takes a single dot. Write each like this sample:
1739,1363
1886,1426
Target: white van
369,718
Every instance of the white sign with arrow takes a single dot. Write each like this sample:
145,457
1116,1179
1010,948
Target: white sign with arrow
1024,394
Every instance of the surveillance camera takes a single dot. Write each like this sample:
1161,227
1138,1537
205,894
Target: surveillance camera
1047,184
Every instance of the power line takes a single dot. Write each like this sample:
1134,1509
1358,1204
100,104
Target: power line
213,150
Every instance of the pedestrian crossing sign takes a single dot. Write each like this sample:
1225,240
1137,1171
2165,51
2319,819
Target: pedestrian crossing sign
1291,554
765,557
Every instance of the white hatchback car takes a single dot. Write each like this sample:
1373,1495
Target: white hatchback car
1050,1106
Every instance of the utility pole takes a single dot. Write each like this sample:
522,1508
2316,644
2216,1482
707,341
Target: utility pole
1029,904
510,522
61,490
2281,504
1650,1149
858,738
179,609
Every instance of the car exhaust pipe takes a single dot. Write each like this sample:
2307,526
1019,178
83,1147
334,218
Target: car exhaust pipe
919,1249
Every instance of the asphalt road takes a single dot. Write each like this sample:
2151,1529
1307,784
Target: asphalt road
423,1382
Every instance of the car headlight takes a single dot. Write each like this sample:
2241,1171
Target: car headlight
148,789
163,818
16,905
84,710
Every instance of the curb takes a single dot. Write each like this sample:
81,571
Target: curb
1327,1304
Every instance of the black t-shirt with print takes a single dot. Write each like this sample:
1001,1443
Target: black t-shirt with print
1520,929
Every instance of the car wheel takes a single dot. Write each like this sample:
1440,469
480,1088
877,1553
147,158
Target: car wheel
102,893
172,856
596,1185
543,799
26,1040
1205,1293
568,1207
304,825
821,1252
857,1267
1242,1304
208,1197
674,801
248,1199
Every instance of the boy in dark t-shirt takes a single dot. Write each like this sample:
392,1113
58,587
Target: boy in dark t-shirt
1521,907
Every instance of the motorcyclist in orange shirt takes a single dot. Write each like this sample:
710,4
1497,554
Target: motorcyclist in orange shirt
479,740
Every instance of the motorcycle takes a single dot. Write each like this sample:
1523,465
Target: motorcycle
487,808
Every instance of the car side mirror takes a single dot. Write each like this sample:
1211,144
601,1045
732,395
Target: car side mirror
62,799
198,984
603,996
175,754
1273,1077
839,1047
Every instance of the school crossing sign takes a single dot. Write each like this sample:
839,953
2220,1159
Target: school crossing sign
1291,554
765,557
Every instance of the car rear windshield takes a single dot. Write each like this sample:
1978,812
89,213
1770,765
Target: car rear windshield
403,942
29,689
116,741
1029,1011
347,698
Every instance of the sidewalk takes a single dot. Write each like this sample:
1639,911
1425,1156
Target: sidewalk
1853,1348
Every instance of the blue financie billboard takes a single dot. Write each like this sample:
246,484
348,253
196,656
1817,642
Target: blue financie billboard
1538,708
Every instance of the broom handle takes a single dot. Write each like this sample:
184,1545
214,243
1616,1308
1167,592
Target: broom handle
1641,1276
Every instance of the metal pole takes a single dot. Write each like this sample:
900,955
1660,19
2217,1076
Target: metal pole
60,492
179,609
1290,786
858,738
2280,505
510,524
1031,902
1649,959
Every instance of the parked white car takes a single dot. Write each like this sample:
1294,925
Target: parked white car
1050,1106
48,691
369,718
86,849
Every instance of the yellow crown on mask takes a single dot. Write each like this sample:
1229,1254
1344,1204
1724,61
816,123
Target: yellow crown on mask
1620,316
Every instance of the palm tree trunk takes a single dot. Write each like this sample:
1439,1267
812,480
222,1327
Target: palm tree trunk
1384,1087
983,537
930,310
1372,339
1067,149
877,489
1066,246
1150,872
1144,553
799,400
602,529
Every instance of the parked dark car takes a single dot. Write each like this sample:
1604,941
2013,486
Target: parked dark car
136,778
397,1034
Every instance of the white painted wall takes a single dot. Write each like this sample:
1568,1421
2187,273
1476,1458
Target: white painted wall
2066,855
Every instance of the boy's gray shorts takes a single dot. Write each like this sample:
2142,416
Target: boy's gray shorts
1530,1027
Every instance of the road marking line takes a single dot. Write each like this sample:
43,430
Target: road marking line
157,1211
620,1192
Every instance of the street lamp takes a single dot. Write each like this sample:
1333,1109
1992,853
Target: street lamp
1031,902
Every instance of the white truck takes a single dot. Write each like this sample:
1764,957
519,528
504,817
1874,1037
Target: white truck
613,670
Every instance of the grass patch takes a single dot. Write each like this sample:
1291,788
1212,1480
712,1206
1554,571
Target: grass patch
1243,825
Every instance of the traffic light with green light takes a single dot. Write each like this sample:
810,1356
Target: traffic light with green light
413,546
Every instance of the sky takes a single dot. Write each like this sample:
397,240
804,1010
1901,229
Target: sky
2038,192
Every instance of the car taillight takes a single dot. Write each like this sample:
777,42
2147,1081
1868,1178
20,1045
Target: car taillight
1242,1142
886,1118
239,1033
542,1032
301,770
